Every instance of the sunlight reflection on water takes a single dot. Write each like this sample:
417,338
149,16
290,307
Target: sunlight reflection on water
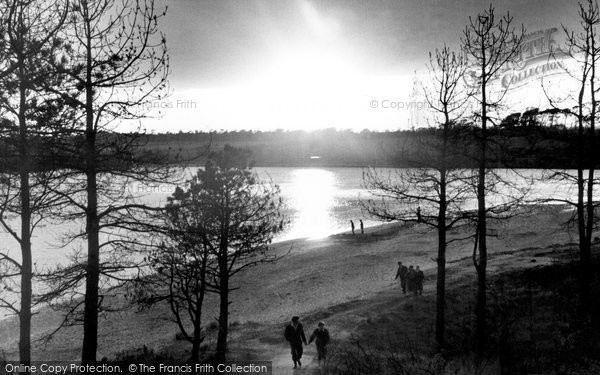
312,195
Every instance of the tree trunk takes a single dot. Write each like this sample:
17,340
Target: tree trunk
223,317
224,282
441,284
90,320
584,245
480,309
441,257
26,261
197,340
586,249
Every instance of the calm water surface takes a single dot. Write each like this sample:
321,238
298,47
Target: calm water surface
318,202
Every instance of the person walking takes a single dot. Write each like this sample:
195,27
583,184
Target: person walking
420,277
362,227
352,226
401,274
294,334
321,338
411,280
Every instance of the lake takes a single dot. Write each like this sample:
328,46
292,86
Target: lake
322,201
318,202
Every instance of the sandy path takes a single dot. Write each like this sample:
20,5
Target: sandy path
344,319
282,364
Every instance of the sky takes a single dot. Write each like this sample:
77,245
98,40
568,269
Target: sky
310,64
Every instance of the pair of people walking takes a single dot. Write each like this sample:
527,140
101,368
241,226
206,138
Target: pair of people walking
362,227
411,278
294,334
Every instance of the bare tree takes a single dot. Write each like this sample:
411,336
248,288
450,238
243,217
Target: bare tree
31,117
448,100
490,45
583,50
115,62
435,191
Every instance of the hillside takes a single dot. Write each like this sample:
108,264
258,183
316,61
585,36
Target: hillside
348,281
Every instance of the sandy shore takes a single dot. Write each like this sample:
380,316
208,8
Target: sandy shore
315,279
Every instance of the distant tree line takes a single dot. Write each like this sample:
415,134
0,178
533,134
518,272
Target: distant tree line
527,140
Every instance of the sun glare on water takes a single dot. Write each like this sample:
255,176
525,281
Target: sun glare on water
312,196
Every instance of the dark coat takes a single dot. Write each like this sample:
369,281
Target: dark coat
322,337
411,279
295,336
402,271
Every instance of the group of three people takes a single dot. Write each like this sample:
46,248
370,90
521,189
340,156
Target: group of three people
294,334
411,278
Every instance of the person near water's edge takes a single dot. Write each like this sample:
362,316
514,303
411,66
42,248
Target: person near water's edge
322,339
362,227
352,226
294,334
401,273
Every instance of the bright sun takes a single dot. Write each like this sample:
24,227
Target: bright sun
311,76
307,79
303,71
